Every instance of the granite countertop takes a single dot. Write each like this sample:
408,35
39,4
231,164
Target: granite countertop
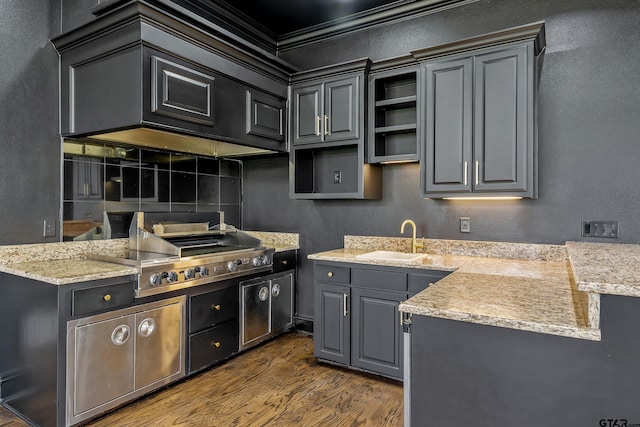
527,294
66,271
65,262
606,268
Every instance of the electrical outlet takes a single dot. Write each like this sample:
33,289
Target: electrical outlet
465,224
337,177
49,228
607,229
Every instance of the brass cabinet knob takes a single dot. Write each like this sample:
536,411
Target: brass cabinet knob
330,274
216,344
107,297
285,262
216,307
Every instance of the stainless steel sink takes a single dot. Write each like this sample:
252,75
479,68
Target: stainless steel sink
391,256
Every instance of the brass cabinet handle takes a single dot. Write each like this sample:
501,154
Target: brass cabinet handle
466,172
107,297
216,307
330,274
318,119
477,174
326,125
217,344
285,262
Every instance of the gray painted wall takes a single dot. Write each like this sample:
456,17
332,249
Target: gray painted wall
588,136
30,144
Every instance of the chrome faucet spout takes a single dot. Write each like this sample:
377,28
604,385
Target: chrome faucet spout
414,243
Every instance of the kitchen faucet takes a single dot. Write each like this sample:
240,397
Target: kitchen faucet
414,243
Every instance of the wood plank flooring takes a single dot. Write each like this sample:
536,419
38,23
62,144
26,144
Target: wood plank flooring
278,384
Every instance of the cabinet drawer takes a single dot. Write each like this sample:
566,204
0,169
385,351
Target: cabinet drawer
332,274
420,282
101,298
283,261
212,345
379,279
212,308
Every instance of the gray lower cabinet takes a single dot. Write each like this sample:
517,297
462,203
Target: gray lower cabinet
479,119
357,322
332,328
376,331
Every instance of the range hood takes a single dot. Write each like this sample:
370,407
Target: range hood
165,140
140,75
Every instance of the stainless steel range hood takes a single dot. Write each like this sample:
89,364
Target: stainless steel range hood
165,140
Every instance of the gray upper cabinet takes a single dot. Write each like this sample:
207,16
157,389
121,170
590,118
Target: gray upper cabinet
327,111
479,116
266,115
306,110
328,157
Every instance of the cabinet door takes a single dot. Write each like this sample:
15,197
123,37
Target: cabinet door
104,357
88,178
182,92
332,337
281,302
341,109
158,344
265,115
501,120
448,128
377,332
256,306
306,110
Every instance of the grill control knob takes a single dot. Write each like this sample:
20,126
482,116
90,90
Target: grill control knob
204,271
233,265
172,277
190,273
266,260
155,280
257,261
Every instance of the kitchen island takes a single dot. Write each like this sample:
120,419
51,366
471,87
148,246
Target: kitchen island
518,334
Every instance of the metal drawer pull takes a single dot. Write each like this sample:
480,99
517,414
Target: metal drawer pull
326,125
466,172
344,305
146,328
275,290
330,274
477,168
107,297
120,335
217,344
318,119
216,307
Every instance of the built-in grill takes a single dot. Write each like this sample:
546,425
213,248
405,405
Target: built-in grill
179,250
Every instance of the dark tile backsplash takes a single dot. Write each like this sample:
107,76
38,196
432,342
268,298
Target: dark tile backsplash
123,179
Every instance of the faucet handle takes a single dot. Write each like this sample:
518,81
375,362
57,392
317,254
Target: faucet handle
421,244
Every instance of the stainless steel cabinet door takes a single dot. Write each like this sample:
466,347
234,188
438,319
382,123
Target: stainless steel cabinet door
158,339
256,303
104,362
281,302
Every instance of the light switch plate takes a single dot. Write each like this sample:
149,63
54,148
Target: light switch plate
49,228
465,224
607,229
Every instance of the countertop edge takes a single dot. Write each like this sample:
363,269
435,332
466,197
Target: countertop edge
541,328
128,271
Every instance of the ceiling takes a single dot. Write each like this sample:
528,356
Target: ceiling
285,16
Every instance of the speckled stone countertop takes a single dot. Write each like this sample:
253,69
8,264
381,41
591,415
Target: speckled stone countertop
281,242
66,271
520,286
64,263
606,268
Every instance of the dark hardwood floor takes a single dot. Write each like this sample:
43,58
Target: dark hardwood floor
278,384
